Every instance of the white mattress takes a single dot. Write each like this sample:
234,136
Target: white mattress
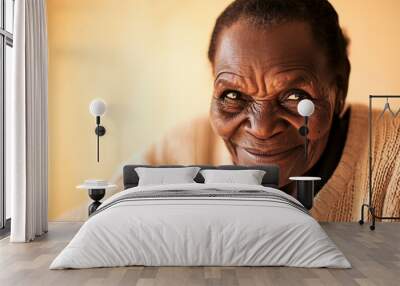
205,231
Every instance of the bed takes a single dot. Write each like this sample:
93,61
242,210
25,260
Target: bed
201,224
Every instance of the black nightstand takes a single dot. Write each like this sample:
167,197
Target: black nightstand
305,190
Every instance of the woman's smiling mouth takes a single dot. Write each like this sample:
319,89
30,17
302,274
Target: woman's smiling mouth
277,154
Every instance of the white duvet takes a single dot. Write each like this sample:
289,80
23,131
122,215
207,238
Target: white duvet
204,231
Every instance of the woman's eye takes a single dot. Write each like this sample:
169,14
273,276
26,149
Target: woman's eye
232,102
296,96
232,95
293,96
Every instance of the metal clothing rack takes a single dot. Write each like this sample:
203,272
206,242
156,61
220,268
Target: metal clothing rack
370,205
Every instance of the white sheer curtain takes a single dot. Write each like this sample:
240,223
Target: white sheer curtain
27,123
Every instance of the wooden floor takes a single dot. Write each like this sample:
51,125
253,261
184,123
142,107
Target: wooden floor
375,257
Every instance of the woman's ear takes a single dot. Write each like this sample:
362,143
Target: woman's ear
339,105
342,86
341,92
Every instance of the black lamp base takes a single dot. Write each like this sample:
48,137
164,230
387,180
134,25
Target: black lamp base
303,130
100,130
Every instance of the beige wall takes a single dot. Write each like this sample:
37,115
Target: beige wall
147,58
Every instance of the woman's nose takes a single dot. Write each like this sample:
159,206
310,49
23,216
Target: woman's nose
264,121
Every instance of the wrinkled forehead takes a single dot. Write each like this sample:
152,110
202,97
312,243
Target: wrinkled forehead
245,48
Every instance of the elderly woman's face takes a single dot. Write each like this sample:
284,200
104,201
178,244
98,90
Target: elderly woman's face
260,76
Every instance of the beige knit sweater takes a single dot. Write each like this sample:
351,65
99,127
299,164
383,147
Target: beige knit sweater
342,196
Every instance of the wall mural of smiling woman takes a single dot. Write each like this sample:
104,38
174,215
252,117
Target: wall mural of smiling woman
267,55
218,82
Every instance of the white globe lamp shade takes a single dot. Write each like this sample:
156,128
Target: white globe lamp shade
305,108
97,107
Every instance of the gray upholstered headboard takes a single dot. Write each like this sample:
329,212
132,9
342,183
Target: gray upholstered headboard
271,178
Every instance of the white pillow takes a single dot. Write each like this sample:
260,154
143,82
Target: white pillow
248,177
162,176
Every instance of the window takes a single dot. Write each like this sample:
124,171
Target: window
6,60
